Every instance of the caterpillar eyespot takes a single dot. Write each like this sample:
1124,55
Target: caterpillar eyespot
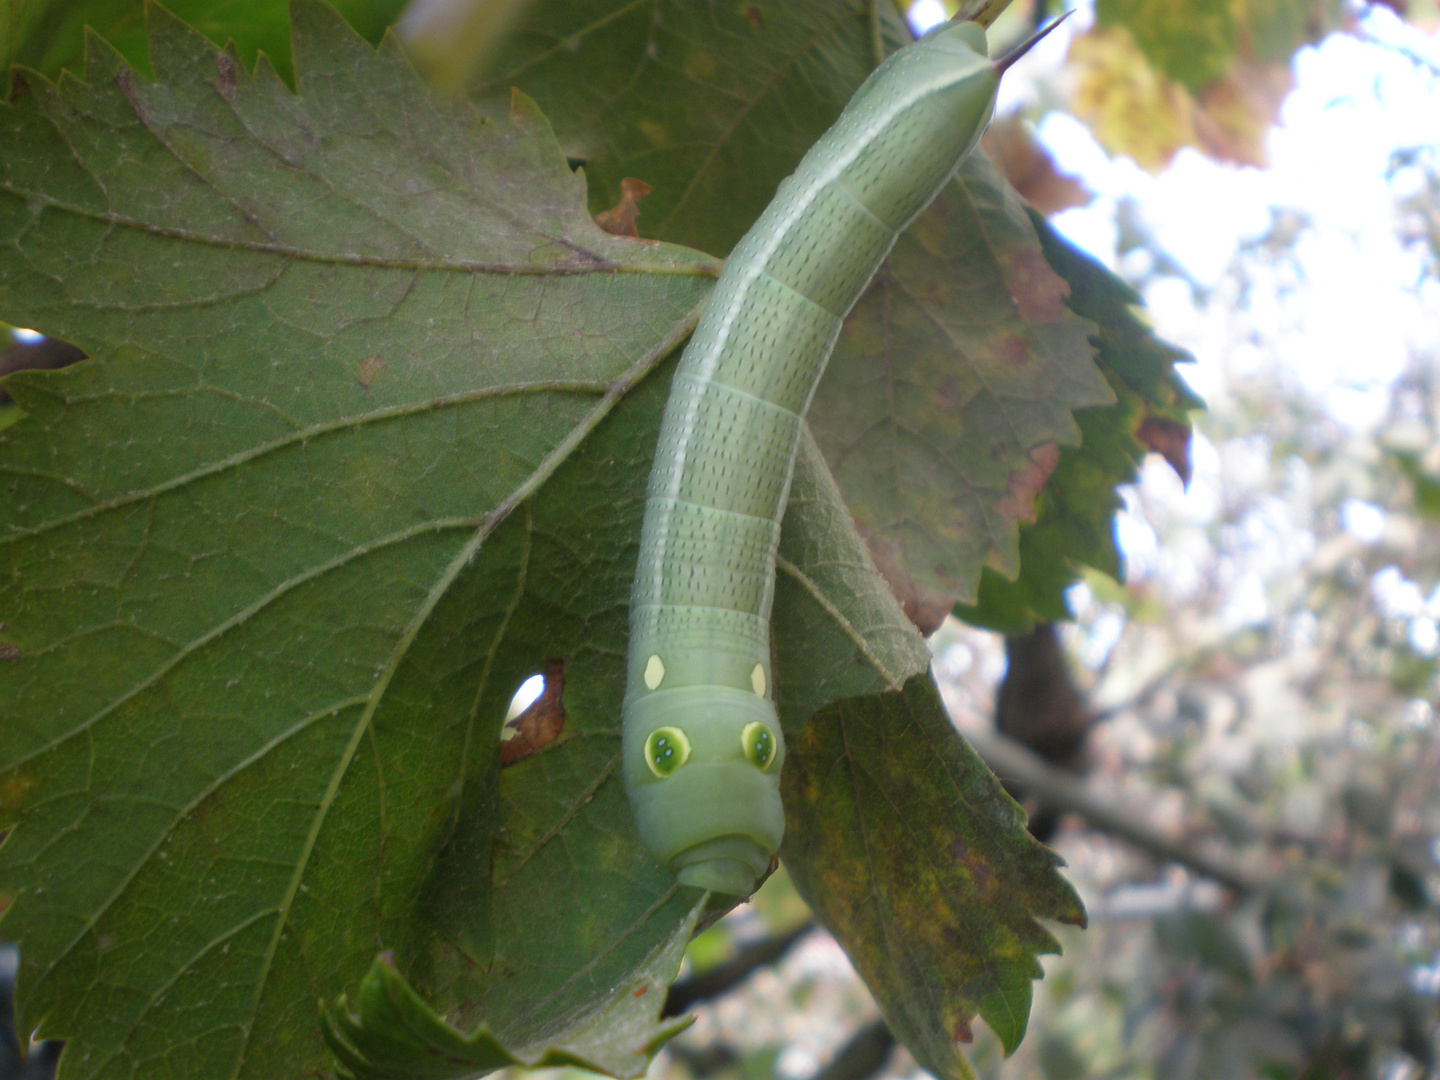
759,745
706,573
666,750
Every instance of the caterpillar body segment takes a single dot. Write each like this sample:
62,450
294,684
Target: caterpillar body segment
699,677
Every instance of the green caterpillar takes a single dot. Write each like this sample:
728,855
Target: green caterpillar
702,746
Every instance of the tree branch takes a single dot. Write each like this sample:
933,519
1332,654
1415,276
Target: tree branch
863,1056
721,980
1012,761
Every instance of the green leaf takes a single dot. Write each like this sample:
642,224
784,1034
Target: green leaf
836,620
1424,483
1074,525
1191,41
362,444
395,1035
1275,29
952,388
48,35
271,571
18,19
923,869
710,104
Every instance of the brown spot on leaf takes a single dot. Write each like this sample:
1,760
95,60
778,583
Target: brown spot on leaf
925,607
701,66
227,76
619,220
1237,111
963,1034
370,369
927,610
8,651
14,790
640,992
1038,292
753,15
950,391
1169,439
982,877
539,725
1012,350
1019,503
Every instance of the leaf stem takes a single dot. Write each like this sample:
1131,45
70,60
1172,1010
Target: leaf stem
864,1055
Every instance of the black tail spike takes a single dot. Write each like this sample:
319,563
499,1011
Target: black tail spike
1020,50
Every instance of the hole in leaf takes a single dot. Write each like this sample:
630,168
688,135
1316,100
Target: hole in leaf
536,716
529,690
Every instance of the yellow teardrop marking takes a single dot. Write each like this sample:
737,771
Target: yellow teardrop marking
757,680
654,671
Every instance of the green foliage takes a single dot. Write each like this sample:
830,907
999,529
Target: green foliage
48,35
712,105
305,577
1424,483
1074,514
395,1035
935,909
1274,29
1191,41
363,442
955,381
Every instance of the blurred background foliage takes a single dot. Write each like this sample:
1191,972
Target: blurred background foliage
1236,750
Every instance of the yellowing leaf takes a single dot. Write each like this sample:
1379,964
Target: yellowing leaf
1136,110
1190,41
1153,77
1236,113
1130,106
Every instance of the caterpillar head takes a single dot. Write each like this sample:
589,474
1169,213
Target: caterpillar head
702,766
